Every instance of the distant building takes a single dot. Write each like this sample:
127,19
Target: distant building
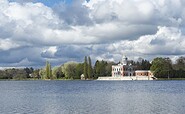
82,77
124,69
143,73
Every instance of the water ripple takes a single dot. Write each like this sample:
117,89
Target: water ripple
92,97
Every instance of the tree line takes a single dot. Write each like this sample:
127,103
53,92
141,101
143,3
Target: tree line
161,68
17,74
165,68
68,70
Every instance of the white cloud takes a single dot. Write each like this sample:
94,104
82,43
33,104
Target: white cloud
6,44
167,41
50,52
136,11
38,24
103,29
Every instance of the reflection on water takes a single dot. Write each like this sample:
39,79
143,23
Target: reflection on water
92,97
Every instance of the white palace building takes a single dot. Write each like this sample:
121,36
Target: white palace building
126,71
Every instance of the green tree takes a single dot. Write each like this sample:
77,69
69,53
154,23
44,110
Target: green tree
108,68
29,71
3,74
142,64
79,70
103,66
36,74
161,67
42,73
57,73
85,67
89,68
10,73
69,69
17,74
100,68
97,69
180,64
145,65
20,74
50,72
179,68
47,70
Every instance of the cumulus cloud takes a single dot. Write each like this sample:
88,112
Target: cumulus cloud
73,14
6,44
50,52
136,11
31,32
167,41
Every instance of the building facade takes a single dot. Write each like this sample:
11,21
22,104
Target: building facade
124,69
143,73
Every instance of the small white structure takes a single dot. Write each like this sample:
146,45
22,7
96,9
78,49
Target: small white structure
82,77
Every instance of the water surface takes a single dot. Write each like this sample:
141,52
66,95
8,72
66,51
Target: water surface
92,97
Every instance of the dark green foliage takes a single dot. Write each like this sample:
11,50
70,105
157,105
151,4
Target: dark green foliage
108,68
79,70
29,71
48,70
57,73
85,67
5,75
177,74
180,64
36,74
69,69
179,68
97,69
17,74
102,68
20,74
72,70
90,73
161,67
10,73
142,64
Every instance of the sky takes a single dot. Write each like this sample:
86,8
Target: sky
33,31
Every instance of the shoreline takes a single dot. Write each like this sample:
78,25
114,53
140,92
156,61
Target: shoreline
159,79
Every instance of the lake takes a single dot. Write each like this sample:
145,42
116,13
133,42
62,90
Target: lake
92,97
